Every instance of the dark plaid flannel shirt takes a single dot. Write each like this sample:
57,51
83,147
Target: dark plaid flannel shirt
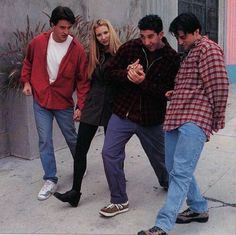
144,103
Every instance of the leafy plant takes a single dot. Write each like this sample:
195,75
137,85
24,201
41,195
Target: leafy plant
127,32
14,56
81,29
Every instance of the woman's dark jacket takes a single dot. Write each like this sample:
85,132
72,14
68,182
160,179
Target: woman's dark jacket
97,109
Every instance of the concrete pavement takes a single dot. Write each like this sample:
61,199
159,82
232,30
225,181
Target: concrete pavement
20,182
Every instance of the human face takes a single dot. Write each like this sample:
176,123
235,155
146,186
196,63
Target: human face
186,40
151,40
61,30
102,35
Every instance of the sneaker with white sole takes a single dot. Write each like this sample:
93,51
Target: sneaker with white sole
114,209
47,190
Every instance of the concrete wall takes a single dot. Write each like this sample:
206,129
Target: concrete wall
119,12
4,138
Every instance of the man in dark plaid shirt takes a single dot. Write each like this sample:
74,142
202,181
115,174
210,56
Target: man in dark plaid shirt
143,70
196,110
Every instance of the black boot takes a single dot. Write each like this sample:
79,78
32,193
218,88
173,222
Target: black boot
71,197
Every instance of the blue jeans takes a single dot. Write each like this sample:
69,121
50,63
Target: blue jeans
44,124
183,148
118,133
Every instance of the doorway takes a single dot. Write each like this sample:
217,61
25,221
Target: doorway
207,13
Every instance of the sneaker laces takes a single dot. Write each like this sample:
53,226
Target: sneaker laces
47,186
187,212
154,229
118,206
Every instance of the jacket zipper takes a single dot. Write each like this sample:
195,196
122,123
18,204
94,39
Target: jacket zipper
148,67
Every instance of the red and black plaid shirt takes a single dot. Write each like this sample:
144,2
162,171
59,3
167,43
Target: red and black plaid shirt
144,103
201,89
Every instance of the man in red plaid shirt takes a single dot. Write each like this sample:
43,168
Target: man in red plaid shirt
197,109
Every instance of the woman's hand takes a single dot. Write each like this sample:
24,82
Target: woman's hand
27,90
77,115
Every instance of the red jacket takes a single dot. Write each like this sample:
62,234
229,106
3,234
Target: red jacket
72,74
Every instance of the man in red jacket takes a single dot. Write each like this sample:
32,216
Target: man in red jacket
55,65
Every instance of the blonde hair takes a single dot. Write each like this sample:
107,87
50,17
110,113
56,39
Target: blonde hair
94,53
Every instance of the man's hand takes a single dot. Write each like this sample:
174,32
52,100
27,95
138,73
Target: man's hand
135,72
133,65
27,90
168,94
77,115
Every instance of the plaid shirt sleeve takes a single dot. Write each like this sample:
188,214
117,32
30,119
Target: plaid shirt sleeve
215,81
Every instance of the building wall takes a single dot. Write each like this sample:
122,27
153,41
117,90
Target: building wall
231,39
4,138
119,12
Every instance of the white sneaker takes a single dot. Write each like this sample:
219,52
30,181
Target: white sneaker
47,190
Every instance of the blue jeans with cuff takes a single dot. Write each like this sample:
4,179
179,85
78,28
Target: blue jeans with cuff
183,148
44,124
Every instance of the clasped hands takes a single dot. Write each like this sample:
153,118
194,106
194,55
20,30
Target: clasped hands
135,72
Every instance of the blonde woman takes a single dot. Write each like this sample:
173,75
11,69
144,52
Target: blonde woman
104,43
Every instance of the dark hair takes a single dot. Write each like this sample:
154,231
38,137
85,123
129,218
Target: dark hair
62,13
151,22
186,22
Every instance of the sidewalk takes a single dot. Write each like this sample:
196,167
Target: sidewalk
20,182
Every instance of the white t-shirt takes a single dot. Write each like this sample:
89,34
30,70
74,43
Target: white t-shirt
55,52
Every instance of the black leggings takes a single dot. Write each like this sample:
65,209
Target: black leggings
85,136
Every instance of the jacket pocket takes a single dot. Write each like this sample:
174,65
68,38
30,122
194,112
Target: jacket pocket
69,71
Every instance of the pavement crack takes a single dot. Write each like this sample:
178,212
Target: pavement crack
224,204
